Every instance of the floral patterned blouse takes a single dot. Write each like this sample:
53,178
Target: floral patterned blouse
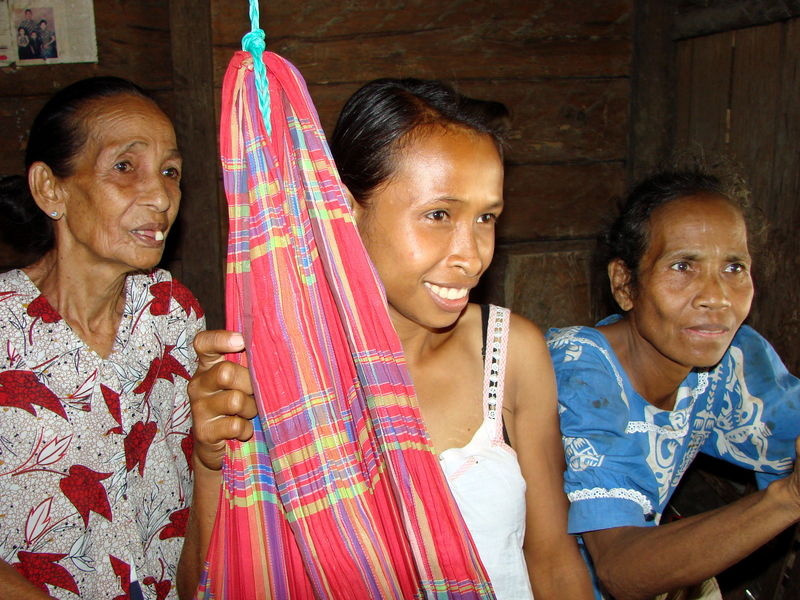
95,480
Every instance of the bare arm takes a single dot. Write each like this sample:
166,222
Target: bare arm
639,562
222,404
14,585
555,566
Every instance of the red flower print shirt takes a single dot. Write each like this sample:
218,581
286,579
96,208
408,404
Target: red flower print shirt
94,472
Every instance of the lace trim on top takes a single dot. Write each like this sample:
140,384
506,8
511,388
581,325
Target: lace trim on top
495,370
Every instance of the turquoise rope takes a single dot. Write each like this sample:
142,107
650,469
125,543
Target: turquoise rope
254,43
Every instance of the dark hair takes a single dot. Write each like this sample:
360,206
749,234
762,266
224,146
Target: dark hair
57,136
628,237
43,21
378,119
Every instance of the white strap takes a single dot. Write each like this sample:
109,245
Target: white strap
494,370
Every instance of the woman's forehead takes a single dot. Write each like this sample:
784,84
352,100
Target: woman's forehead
698,220
102,116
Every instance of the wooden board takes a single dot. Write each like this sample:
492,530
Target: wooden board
547,282
707,96
560,201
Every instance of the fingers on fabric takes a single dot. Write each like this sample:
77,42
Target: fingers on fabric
230,376
220,377
212,345
224,425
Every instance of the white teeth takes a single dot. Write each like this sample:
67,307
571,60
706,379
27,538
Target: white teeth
448,293
158,235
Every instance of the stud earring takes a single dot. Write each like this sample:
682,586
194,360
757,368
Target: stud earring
54,214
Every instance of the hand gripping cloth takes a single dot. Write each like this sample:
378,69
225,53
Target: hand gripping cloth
339,493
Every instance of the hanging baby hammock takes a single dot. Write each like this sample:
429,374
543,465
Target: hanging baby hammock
339,493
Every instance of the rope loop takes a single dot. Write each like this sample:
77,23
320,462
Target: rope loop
254,43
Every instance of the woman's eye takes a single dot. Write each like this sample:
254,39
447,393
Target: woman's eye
172,172
487,218
680,266
735,268
437,215
123,166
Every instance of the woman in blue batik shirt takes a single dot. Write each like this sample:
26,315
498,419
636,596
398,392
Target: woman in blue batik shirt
675,374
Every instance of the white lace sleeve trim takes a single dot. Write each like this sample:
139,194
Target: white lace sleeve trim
645,427
614,493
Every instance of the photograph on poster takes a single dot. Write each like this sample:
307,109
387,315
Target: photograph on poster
35,32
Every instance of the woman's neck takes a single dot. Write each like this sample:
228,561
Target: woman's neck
91,301
655,377
418,342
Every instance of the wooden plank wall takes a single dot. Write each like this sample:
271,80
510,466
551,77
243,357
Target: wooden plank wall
135,41
561,66
738,95
122,29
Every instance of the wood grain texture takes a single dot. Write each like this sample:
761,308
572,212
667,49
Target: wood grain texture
546,282
562,68
133,41
704,17
652,101
560,201
201,221
708,94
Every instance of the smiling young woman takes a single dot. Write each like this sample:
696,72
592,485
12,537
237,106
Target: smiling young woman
424,167
677,373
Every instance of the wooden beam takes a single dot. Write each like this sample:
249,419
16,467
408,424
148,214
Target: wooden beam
201,250
732,14
652,117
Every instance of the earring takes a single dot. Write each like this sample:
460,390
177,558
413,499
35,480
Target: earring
54,214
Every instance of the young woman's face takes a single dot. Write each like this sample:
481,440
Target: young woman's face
124,193
694,288
430,228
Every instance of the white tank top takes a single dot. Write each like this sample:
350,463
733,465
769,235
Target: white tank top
486,480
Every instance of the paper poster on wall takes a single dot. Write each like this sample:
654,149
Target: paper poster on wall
36,32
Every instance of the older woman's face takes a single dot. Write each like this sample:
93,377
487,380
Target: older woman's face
123,195
694,288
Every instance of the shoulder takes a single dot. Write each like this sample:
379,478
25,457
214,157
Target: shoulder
749,342
527,360
757,366
577,346
17,292
581,335
587,368
751,354
525,339
12,280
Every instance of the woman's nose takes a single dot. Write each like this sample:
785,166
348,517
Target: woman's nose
159,193
713,292
466,252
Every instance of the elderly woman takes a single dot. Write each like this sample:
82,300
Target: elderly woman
96,354
675,374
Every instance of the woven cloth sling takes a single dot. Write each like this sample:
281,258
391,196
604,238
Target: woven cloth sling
339,493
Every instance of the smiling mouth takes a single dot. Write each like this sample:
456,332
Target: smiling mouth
447,293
